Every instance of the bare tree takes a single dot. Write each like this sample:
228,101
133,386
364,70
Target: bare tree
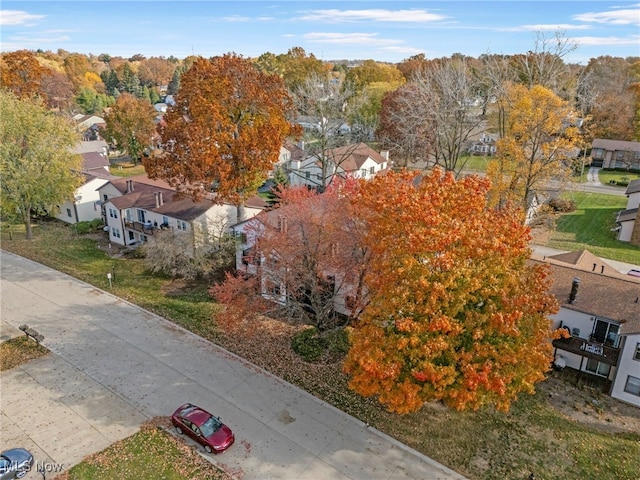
323,106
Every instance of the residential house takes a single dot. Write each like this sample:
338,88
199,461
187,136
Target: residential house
356,160
274,279
628,220
600,310
89,126
485,145
138,208
85,204
615,154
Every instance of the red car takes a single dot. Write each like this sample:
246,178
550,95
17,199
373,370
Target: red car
203,427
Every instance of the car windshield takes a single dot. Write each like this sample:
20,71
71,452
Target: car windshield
209,427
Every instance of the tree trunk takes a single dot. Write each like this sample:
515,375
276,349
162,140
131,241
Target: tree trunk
27,225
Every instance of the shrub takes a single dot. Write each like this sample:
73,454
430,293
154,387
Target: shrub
309,345
562,205
85,227
314,346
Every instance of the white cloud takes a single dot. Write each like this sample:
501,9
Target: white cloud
350,39
627,16
545,27
236,19
17,17
607,41
376,15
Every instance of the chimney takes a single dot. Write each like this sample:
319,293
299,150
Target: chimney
385,154
574,290
594,267
156,194
602,269
160,197
128,186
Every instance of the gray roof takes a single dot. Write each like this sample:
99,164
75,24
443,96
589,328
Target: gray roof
614,145
633,187
627,215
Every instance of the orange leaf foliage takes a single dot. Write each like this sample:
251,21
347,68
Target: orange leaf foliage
226,129
455,313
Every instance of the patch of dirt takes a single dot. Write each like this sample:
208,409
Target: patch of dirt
588,405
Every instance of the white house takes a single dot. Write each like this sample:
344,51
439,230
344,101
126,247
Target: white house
600,309
85,204
357,160
137,208
628,220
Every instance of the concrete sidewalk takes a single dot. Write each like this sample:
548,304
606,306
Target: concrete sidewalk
114,364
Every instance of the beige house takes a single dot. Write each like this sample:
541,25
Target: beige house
600,309
136,209
615,154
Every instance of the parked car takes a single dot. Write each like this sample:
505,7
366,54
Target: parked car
15,463
203,427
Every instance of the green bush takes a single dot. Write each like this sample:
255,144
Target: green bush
88,226
309,345
314,346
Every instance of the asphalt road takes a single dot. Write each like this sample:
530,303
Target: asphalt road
114,365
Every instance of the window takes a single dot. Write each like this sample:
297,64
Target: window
115,232
182,225
128,214
113,213
605,332
372,170
307,175
599,368
633,385
105,197
69,212
363,173
249,256
141,216
636,356
165,220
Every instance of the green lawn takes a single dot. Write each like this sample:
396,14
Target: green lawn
589,227
150,454
607,176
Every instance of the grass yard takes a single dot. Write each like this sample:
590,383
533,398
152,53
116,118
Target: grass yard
149,454
19,350
607,176
484,445
589,227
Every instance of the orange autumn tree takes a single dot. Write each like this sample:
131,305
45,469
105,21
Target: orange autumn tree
455,311
304,260
225,131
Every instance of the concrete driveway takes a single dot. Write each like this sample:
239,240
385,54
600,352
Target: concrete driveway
114,365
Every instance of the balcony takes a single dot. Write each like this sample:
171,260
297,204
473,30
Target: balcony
146,228
581,346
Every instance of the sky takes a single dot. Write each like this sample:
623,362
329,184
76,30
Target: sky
386,31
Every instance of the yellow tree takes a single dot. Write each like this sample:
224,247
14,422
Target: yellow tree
538,142
225,131
455,312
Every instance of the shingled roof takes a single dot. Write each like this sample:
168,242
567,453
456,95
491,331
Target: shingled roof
603,291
